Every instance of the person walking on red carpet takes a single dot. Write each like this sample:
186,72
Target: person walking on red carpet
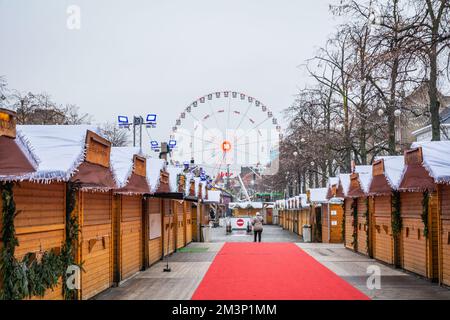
257,224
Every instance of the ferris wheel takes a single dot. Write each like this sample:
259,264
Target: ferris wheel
224,131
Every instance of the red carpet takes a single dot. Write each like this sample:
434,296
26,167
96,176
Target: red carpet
271,271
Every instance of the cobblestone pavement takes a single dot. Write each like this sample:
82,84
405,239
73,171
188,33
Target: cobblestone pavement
190,266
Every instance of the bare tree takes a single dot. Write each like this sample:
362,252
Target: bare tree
117,136
433,39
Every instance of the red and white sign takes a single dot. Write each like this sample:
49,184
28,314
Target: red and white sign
240,223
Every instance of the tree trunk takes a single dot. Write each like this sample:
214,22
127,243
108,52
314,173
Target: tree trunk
433,94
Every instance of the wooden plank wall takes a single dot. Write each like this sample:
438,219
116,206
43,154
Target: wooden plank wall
40,224
325,227
155,245
445,234
383,242
168,227
180,223
188,208
195,232
414,246
362,225
348,223
131,236
97,244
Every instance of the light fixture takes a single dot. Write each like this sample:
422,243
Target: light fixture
122,119
151,117
172,143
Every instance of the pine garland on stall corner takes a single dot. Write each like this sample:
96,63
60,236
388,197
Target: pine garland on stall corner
425,209
72,232
355,225
396,219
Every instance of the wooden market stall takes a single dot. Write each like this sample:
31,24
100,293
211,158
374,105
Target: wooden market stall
304,213
129,169
179,208
360,181
423,240
387,173
342,192
154,213
317,198
73,164
418,193
94,212
332,214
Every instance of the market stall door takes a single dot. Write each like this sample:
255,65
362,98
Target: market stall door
269,216
188,208
179,212
169,227
40,222
97,247
362,234
414,246
155,245
383,248
195,232
349,223
131,236
336,218
445,234
325,228
295,227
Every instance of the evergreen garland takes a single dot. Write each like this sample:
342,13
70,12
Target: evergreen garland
72,232
396,219
425,209
355,224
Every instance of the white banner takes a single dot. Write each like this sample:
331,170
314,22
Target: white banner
240,223
155,226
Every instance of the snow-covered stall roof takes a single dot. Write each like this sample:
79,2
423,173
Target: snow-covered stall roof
189,176
363,169
122,164
174,171
344,182
197,185
304,200
246,205
333,181
318,195
214,196
59,148
203,186
393,169
364,181
436,159
154,167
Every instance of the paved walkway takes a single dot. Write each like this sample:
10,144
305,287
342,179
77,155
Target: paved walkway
270,234
189,268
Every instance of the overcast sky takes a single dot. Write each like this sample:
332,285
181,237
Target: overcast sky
136,57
